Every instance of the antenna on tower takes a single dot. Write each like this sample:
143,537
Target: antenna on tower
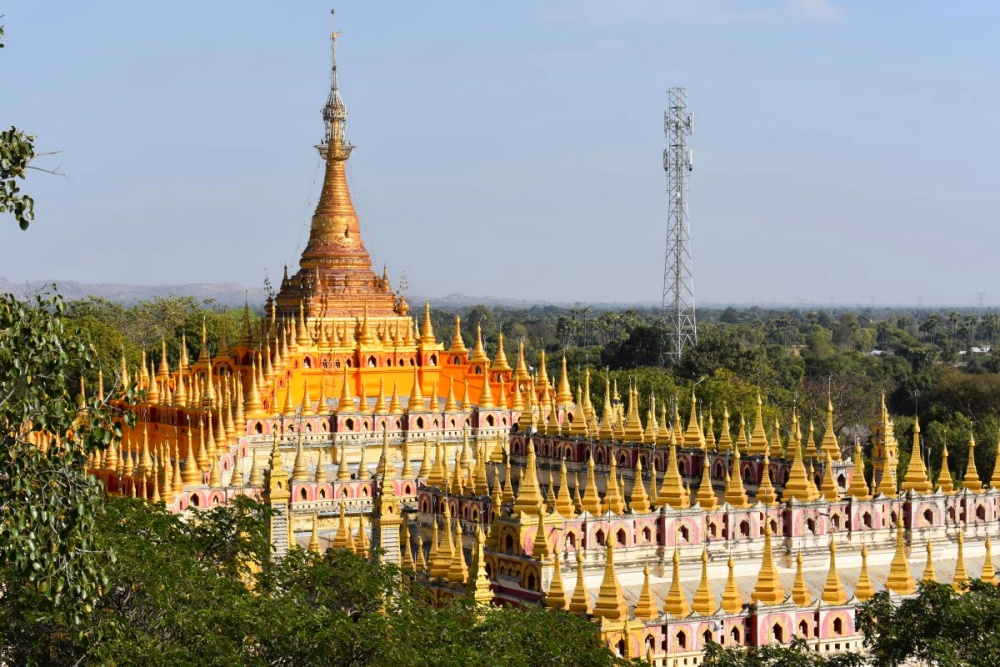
678,276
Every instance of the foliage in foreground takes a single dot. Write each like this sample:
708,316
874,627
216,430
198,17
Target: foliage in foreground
178,595
939,627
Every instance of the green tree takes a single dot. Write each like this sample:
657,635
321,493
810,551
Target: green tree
798,654
49,501
938,627
17,150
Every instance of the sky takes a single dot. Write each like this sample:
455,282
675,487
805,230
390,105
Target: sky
845,151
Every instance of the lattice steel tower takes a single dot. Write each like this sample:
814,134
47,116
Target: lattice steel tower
678,276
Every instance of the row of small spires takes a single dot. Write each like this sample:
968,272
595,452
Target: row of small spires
446,562
445,559
768,590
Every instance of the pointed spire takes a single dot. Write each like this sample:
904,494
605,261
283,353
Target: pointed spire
343,538
540,542
580,602
343,470
944,481
858,487
829,485
639,502
564,503
645,607
406,552
486,397
800,593
725,443
798,485
865,590
929,575
736,494
458,571
768,589
758,438
706,494
529,499
693,436
416,402
307,408
961,578
971,479
613,500
900,579
478,352
989,574
830,444
256,473
732,601
676,602
346,403
314,545
704,600
500,363
833,591
672,492
591,497
610,603
916,475
765,492
564,394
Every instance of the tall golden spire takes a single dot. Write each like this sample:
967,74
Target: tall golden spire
833,591
704,600
961,578
564,503
457,344
989,574
676,602
758,438
858,487
798,485
865,590
580,602
916,475
612,496
479,352
427,330
725,443
645,607
639,502
768,589
736,494
765,492
564,394
929,575
829,486
971,479
944,481
732,601
800,592
693,436
900,579
610,601
500,363
529,498
830,444
591,498
555,597
672,492
706,494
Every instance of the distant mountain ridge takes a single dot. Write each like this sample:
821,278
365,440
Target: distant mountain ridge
227,294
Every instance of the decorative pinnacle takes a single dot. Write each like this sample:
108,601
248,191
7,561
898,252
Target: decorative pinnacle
335,144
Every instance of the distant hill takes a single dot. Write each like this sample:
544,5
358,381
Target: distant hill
228,294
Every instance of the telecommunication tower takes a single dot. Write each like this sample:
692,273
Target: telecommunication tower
678,276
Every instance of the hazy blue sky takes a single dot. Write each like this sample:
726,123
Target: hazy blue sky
844,150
